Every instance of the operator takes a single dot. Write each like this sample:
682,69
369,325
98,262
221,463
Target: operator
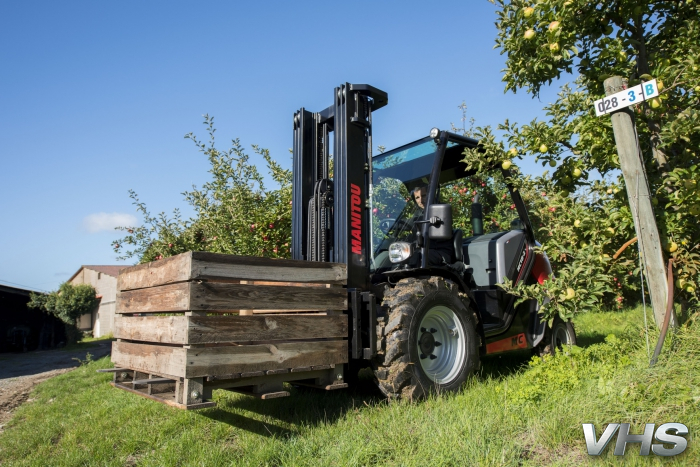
420,194
441,251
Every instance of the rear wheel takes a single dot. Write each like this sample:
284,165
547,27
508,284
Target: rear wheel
558,337
430,341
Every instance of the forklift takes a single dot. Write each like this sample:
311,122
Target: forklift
424,304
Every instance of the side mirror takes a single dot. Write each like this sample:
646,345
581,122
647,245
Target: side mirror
442,230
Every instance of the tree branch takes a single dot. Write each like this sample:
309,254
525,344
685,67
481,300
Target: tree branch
652,124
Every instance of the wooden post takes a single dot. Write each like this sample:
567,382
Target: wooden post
639,200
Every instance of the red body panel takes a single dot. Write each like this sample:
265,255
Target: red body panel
509,343
541,270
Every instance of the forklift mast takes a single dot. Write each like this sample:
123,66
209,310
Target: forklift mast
330,216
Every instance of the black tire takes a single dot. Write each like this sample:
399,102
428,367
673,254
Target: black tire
561,334
399,368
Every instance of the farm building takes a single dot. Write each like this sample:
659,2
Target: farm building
23,329
104,280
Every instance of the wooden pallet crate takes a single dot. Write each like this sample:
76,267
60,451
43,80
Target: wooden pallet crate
201,321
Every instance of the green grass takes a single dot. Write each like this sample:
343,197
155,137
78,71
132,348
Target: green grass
87,343
512,413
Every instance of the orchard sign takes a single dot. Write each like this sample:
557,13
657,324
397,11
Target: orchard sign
627,97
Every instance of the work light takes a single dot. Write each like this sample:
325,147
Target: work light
399,251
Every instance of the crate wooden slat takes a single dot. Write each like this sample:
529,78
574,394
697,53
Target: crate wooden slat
185,330
219,267
158,329
298,331
205,361
223,297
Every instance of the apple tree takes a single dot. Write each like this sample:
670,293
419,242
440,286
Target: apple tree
236,213
550,40
68,303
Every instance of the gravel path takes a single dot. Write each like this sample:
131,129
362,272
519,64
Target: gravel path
19,373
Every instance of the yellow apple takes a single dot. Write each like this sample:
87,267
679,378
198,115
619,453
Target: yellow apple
576,173
506,164
554,47
527,12
513,152
529,34
543,148
577,223
553,26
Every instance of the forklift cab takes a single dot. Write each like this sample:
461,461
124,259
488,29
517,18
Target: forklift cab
490,232
435,164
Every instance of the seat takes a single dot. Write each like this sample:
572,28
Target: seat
517,224
449,253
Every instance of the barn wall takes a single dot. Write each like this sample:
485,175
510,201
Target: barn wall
23,329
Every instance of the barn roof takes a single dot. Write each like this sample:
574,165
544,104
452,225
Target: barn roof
110,270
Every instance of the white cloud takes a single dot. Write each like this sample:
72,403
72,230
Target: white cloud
108,221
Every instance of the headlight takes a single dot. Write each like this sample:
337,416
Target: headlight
399,251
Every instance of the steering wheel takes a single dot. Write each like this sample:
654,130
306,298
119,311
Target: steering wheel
386,224
392,224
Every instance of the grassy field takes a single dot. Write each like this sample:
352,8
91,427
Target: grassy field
516,411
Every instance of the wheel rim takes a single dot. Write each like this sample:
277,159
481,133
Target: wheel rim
560,337
441,344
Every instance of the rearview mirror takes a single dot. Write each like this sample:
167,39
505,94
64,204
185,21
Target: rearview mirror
443,229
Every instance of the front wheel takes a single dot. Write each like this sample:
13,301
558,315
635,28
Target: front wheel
430,342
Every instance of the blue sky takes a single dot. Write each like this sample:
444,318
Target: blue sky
95,98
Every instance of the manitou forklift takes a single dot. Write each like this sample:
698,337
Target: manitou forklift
424,301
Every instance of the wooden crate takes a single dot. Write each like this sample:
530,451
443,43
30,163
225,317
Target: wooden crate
202,321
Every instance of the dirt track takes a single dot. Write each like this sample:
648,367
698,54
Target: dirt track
19,373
